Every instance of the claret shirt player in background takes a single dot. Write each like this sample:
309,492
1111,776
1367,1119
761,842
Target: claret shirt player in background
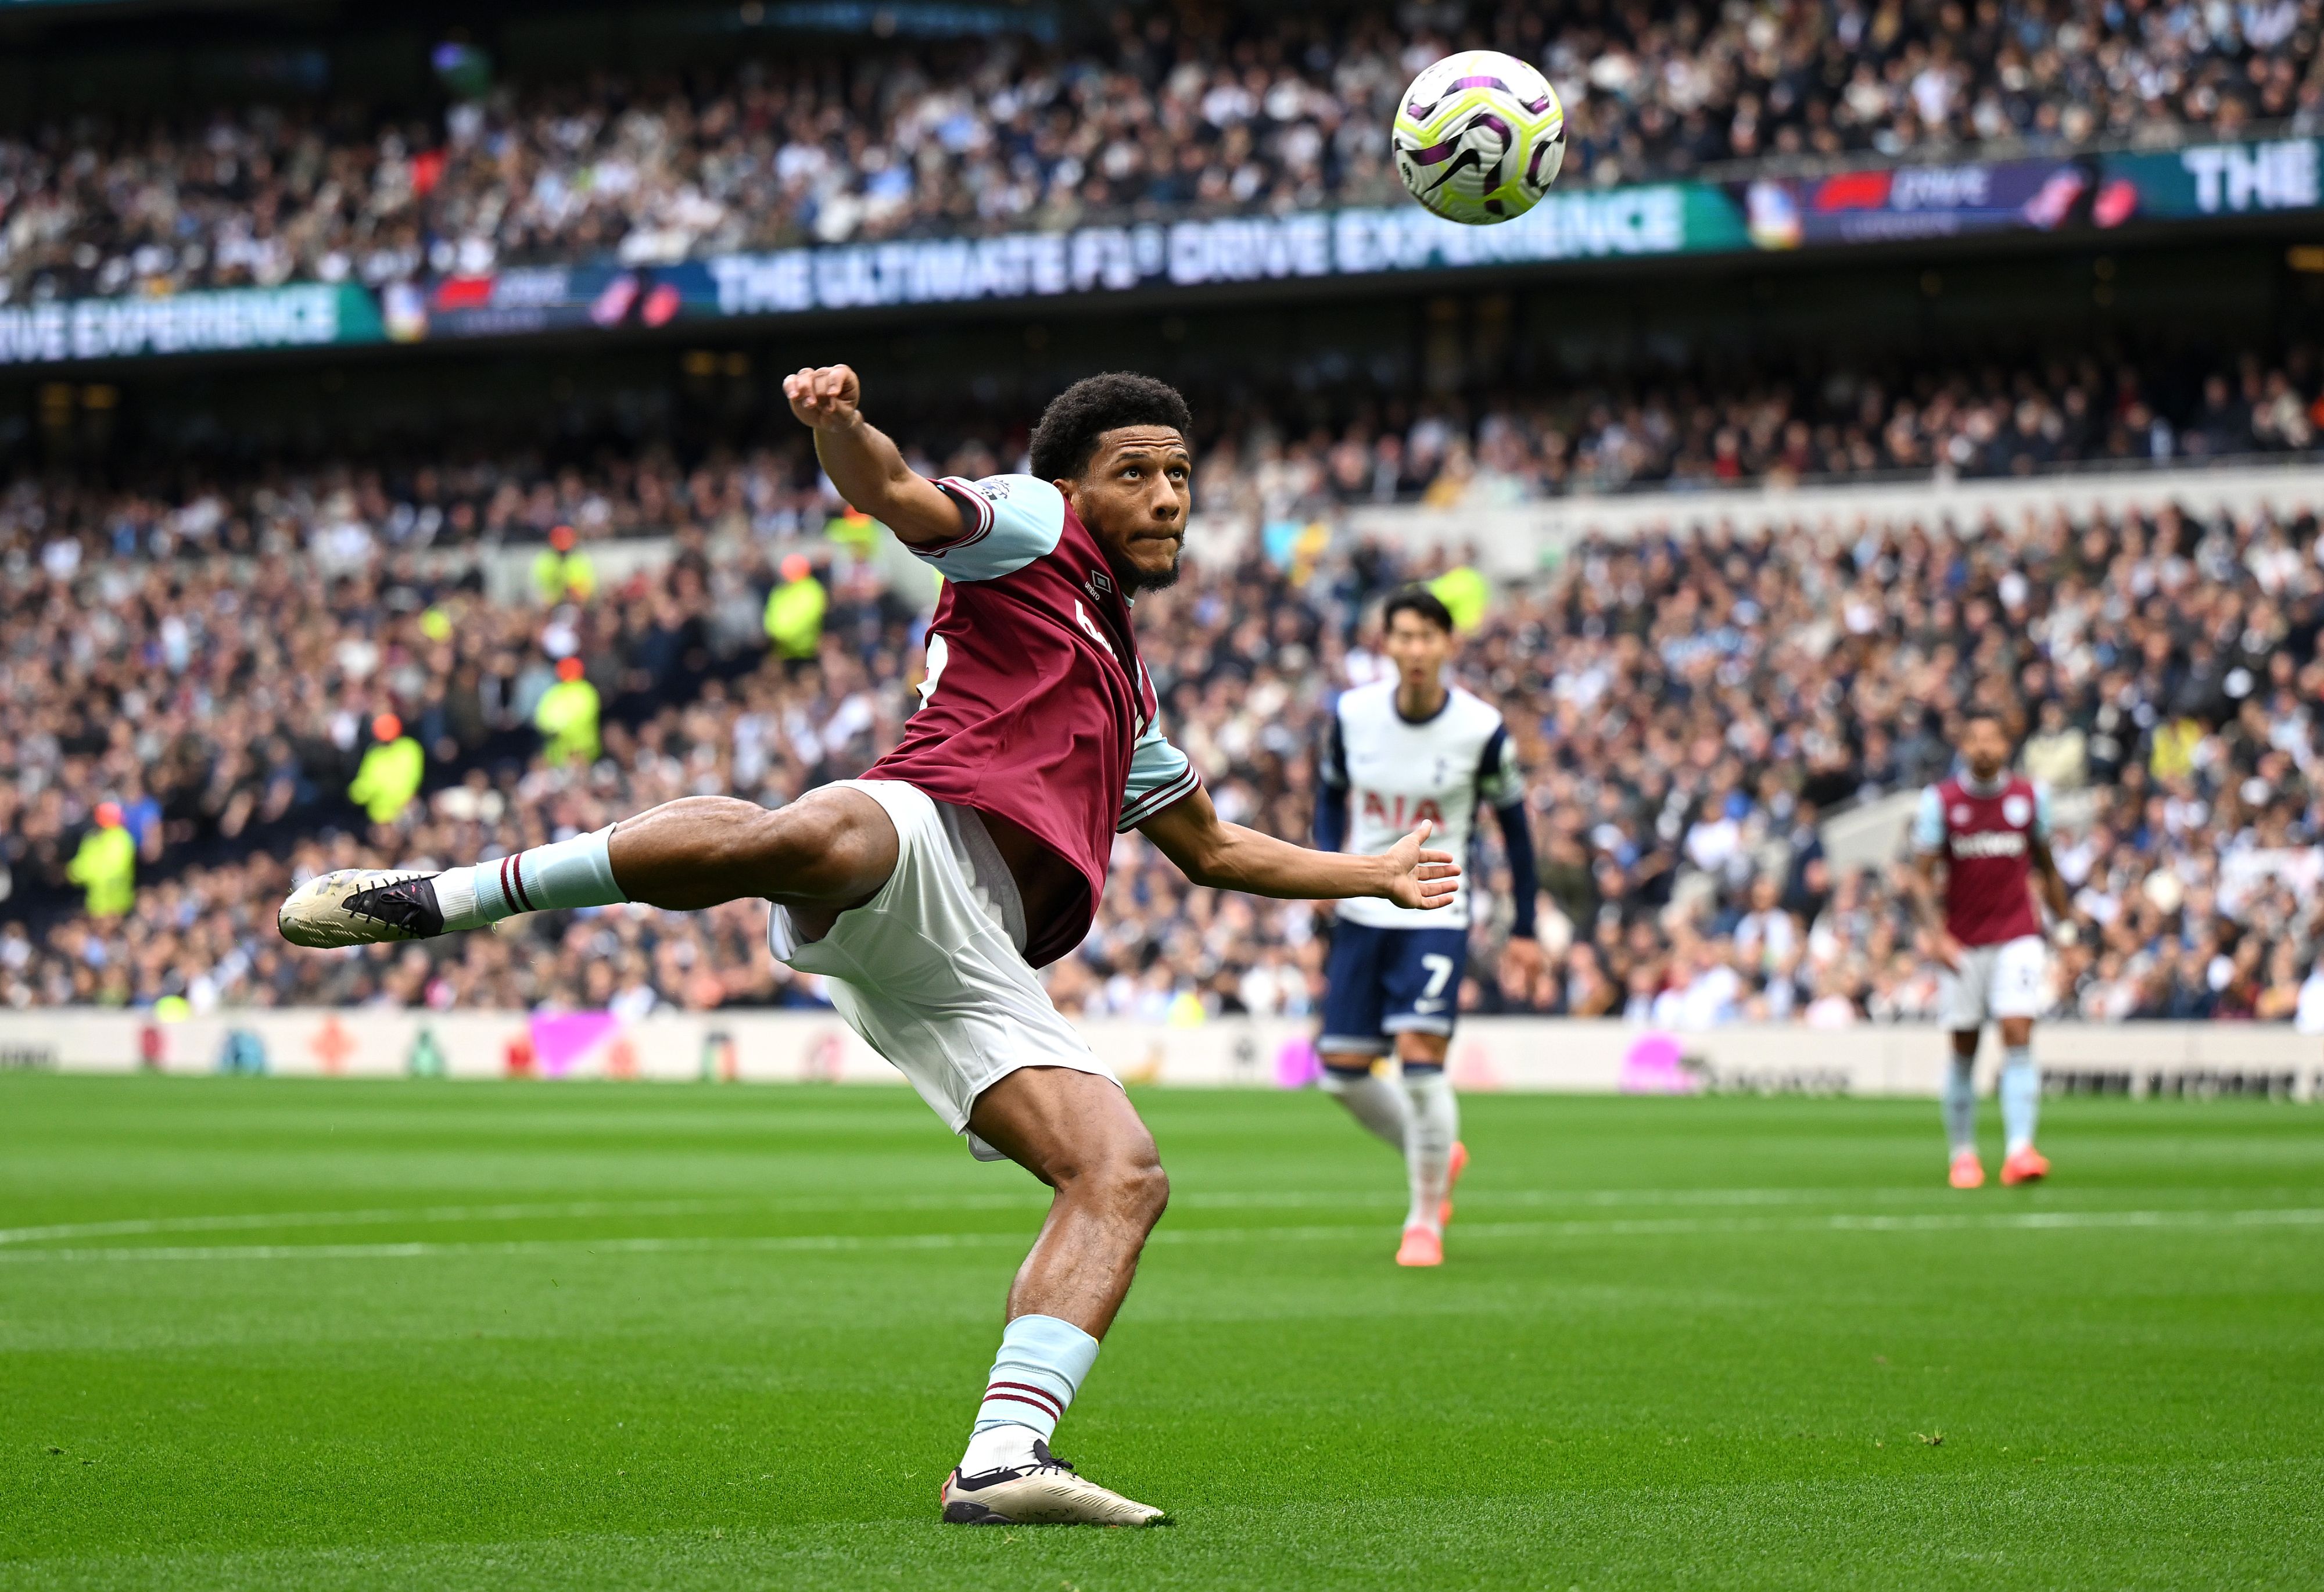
1987,830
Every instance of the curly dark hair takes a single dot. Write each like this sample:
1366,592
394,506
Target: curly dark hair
1066,438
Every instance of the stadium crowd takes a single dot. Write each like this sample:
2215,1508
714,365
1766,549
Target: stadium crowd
1165,116
1561,437
1689,709
1572,435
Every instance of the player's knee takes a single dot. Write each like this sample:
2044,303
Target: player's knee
1146,1193
1130,1185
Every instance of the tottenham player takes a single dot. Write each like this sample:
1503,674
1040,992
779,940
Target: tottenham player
1400,752
1990,831
928,890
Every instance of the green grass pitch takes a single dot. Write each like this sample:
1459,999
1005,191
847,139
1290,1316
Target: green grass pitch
278,1334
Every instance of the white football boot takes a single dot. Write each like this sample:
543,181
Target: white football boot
1045,1493
361,907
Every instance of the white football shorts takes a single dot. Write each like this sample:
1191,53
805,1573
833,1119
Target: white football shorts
1996,981
929,971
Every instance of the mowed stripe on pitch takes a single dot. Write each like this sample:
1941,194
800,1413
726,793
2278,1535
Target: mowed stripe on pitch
2289,1216
1019,1199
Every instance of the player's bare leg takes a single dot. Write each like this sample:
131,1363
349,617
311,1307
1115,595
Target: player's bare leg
1958,1096
831,849
2020,1104
1432,1148
1079,1134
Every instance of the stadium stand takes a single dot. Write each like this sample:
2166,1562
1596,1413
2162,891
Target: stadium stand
1692,708
1162,118
1491,450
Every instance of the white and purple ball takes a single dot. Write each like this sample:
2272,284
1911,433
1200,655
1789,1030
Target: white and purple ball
1478,137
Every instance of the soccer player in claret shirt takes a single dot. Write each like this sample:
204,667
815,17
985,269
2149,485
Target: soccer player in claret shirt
1398,752
1990,831
928,890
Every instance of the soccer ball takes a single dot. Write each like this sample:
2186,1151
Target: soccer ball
1478,137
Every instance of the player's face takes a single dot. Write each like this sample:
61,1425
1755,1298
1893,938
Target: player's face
1134,497
1417,649
1983,748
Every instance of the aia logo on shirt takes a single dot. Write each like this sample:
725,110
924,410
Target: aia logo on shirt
1394,813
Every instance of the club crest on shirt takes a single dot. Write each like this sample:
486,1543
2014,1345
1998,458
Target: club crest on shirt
2017,812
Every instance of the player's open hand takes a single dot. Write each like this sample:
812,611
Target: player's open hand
1417,876
828,396
1945,948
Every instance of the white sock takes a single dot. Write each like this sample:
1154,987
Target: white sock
2021,1096
578,872
1959,1098
1041,1366
1374,1101
1428,1152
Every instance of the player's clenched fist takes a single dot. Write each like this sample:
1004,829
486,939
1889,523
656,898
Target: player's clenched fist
827,396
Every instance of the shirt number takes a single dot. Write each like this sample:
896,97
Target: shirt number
939,654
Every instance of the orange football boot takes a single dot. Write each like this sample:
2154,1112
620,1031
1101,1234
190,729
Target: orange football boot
1969,1171
2026,1166
1452,1176
1420,1247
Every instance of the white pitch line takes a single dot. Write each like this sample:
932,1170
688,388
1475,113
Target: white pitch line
1028,1199
2030,1220
130,1228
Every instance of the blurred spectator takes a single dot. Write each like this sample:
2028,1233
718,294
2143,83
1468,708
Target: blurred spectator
795,609
392,771
105,865
561,571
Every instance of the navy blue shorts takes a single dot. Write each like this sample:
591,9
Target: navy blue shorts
1381,982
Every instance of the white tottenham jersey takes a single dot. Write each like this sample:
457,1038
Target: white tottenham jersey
1394,773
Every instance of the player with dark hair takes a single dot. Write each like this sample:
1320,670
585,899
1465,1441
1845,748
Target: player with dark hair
1413,750
1990,830
930,889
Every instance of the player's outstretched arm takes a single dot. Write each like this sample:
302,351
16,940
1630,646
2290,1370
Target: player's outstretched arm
1227,857
864,464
